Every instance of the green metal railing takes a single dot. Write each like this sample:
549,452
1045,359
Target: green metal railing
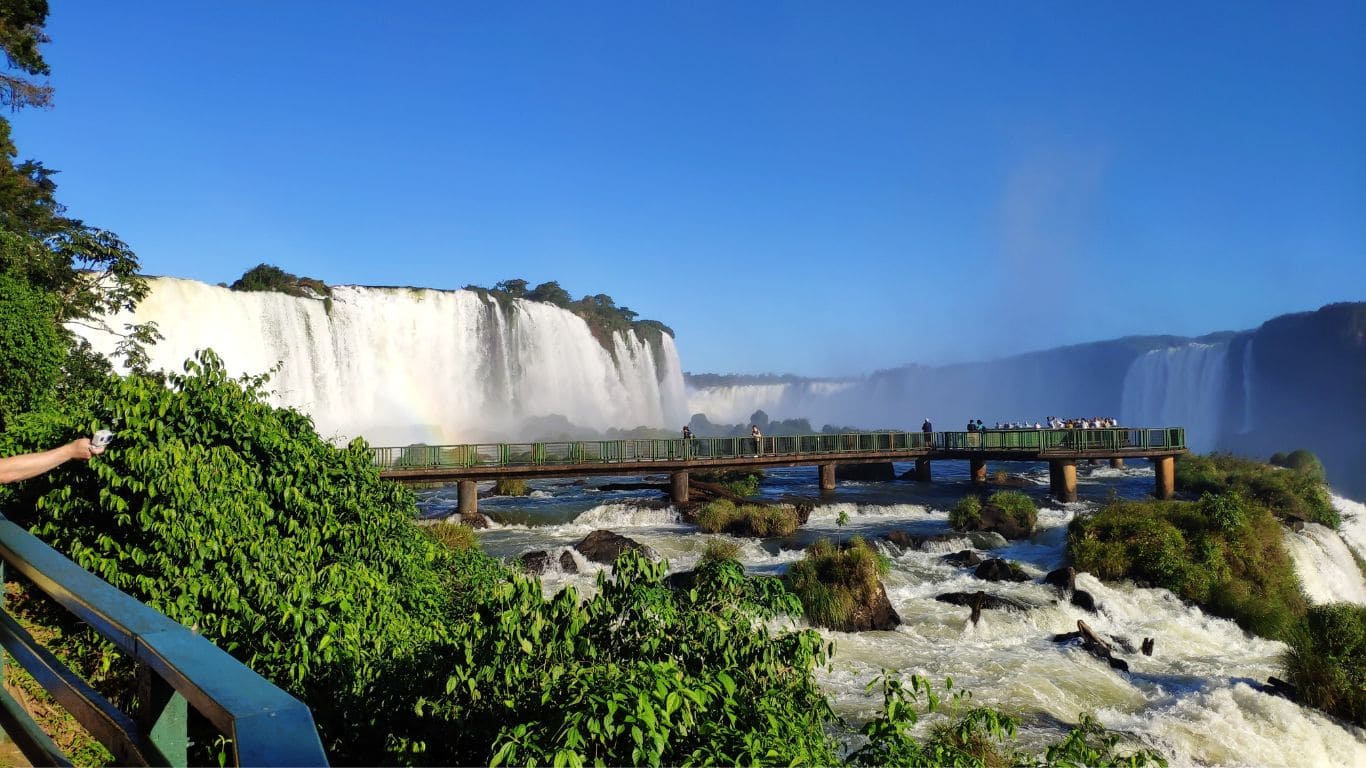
176,667
1040,441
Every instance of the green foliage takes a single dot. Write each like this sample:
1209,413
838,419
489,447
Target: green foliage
506,486
723,516
639,674
455,537
741,482
32,346
1017,506
600,311
721,549
832,581
1326,660
234,517
1090,744
270,278
1297,494
1223,553
966,515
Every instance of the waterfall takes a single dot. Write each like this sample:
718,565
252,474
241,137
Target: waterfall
402,365
1178,386
733,404
1247,387
1325,565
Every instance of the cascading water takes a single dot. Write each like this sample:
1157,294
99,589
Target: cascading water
1178,385
404,365
1325,565
1247,387
1195,700
734,404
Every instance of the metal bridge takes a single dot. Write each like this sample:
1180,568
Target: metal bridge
1062,448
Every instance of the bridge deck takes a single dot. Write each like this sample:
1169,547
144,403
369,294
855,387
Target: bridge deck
488,461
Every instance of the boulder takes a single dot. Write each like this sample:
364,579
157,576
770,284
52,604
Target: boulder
986,539
535,561
963,558
1000,570
1083,599
1062,578
989,602
915,541
875,612
567,562
681,580
995,519
604,547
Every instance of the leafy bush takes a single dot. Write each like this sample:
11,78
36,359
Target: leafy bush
833,581
1298,494
32,346
723,516
966,514
1223,553
1326,660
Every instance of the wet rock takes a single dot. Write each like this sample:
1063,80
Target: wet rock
681,580
874,611
1083,599
1148,646
1062,578
989,602
1000,570
987,539
535,561
604,547
567,562
915,541
1278,687
963,558
477,520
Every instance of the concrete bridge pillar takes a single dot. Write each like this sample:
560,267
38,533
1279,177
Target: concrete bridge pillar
1164,471
922,470
469,499
827,477
678,487
1116,463
979,471
1062,480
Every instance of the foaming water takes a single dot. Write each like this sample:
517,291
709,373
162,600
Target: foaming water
1353,526
1178,385
1196,699
1325,565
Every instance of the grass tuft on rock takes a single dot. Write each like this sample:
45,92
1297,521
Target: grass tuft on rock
1010,513
510,486
833,581
743,483
724,516
455,537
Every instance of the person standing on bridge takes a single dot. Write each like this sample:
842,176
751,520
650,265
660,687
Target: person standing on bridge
758,439
928,429
27,465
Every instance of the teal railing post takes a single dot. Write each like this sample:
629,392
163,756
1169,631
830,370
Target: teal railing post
164,714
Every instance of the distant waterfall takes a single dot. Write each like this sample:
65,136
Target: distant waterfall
735,403
400,365
1178,386
1247,387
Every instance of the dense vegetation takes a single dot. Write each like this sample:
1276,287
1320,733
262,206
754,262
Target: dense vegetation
267,277
1326,661
1223,553
741,482
1294,494
599,311
1011,513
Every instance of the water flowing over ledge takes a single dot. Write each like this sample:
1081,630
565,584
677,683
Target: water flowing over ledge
401,365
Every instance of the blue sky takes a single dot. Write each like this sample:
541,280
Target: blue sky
818,188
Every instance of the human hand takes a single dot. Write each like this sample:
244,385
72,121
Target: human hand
82,449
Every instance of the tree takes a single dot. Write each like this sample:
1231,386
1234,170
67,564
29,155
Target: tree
21,32
551,293
515,288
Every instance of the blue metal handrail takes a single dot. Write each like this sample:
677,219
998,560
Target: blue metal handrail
266,726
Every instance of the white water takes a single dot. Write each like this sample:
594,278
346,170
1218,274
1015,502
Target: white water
1353,526
734,404
1248,419
1195,700
1178,385
402,365
1325,565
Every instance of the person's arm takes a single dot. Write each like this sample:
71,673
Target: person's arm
22,467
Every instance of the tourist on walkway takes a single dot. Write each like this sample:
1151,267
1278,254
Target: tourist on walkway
26,465
758,439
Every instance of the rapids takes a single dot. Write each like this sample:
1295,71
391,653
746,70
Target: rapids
1196,699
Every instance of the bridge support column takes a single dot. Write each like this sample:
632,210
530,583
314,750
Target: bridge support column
1062,480
468,505
827,477
1164,471
979,471
678,487
1116,463
922,470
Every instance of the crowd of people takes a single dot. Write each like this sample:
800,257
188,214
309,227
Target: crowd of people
1052,422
